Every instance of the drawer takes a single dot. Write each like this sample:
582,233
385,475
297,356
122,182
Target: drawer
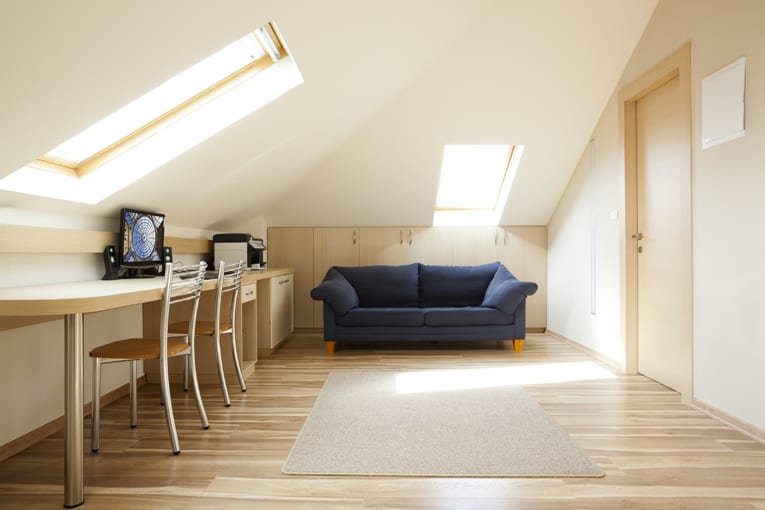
249,292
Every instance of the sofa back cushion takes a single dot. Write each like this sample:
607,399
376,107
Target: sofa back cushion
384,285
455,285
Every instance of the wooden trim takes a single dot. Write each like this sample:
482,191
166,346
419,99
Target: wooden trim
23,321
730,420
189,245
536,330
610,362
151,128
29,239
55,165
35,436
676,65
147,131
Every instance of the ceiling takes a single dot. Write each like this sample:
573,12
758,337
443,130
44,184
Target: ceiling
387,85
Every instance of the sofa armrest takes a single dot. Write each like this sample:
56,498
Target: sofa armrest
335,291
506,296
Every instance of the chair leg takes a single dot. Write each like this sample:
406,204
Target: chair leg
221,374
186,373
195,386
330,345
95,428
164,383
133,394
237,365
518,344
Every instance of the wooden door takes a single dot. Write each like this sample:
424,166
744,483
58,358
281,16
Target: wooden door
664,251
332,247
293,247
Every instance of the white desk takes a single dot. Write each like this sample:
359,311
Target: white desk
72,300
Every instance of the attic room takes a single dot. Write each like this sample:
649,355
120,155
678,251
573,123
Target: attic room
607,120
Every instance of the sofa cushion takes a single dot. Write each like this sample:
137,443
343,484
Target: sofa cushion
506,296
466,316
455,285
336,292
383,316
384,285
500,276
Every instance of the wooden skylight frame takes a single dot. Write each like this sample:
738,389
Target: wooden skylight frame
54,164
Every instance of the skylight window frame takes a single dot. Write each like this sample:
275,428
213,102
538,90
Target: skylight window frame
57,165
482,216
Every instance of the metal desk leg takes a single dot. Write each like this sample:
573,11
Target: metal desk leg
74,485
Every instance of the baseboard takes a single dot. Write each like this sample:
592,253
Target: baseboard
22,443
308,331
741,426
610,362
536,330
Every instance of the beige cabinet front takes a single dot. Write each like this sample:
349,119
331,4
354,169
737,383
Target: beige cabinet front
293,247
282,318
332,247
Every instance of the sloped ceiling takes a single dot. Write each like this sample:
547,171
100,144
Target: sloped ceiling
387,85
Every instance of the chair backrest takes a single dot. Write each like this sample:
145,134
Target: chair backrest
181,284
229,280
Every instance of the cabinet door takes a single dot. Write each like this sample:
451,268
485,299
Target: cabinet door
524,251
382,246
332,247
475,245
434,245
293,247
282,322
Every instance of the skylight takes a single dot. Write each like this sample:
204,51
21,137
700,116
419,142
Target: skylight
475,183
164,122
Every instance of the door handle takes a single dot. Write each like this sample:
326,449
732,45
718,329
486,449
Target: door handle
638,236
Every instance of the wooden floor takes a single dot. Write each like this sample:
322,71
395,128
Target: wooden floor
656,452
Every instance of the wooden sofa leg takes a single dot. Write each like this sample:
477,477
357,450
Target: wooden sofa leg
330,344
518,345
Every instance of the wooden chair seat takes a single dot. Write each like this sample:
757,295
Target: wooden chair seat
139,348
206,328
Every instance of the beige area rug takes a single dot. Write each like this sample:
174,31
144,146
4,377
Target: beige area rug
381,424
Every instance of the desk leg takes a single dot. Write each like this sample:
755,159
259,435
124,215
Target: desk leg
74,486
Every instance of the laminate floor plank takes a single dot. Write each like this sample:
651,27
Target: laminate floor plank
656,452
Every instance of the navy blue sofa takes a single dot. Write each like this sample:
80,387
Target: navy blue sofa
423,302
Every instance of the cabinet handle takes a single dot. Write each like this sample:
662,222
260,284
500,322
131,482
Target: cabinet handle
354,237
401,236
410,237
496,236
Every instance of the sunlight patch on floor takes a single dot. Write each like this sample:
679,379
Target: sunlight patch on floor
543,373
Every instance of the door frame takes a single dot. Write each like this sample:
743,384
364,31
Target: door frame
676,65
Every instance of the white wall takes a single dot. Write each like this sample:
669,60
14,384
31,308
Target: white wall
728,215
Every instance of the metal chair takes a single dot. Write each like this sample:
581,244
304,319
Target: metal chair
229,281
181,285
